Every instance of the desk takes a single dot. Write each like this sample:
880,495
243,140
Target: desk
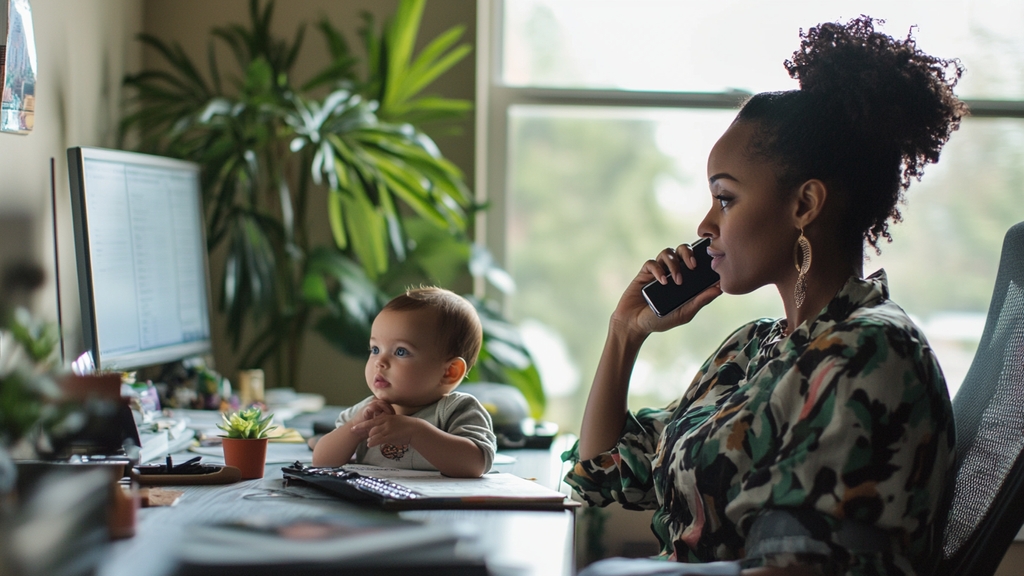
520,543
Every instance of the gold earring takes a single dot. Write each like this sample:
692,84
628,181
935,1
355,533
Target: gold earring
802,261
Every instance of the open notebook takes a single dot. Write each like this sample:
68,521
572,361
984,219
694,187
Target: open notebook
394,489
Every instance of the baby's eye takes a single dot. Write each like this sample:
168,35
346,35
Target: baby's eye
401,352
374,350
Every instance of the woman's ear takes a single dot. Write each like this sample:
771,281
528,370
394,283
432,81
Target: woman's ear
454,372
810,202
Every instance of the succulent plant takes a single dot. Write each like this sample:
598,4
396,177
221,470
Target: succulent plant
248,424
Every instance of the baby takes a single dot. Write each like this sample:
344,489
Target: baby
422,344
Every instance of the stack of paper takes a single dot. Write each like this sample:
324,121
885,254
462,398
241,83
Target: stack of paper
330,544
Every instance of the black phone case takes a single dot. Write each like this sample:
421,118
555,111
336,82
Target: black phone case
664,298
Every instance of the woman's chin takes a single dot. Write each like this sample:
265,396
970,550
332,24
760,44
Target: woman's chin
732,287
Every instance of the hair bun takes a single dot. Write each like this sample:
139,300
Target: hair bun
882,87
870,113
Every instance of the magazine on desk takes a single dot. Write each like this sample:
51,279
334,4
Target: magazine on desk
363,542
432,490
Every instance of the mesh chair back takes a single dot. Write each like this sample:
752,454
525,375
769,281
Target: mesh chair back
988,499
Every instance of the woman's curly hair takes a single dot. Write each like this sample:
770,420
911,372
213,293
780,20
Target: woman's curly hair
871,111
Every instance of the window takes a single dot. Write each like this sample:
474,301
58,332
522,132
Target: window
599,117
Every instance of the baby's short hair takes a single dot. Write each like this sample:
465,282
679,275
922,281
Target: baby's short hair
458,325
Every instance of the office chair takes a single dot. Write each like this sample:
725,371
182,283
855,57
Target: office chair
988,498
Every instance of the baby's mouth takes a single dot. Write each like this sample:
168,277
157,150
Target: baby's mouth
380,382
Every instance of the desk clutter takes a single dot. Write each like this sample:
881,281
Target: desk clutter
108,512
357,543
273,525
154,497
188,473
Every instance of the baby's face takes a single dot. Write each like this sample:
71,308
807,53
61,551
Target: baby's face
405,367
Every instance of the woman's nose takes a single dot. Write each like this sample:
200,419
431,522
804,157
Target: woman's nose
708,227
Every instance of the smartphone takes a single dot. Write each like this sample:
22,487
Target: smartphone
664,298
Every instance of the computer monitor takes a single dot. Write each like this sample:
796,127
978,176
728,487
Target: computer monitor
141,251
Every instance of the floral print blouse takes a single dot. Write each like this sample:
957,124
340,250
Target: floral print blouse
831,446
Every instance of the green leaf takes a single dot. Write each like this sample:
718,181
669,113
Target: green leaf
246,424
433,108
526,380
504,358
356,294
482,265
345,333
367,231
179,61
356,297
435,49
399,40
211,62
417,79
250,272
441,256
336,43
405,185
336,217
342,62
314,290
38,339
291,54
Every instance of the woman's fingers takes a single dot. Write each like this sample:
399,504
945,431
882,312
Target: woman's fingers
669,263
686,253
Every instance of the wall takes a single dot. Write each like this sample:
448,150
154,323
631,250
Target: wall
83,50
188,22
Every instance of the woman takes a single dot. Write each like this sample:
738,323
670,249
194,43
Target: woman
821,442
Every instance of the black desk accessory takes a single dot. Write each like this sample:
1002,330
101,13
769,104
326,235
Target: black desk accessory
350,485
190,472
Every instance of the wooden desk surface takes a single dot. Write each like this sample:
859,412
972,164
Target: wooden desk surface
526,543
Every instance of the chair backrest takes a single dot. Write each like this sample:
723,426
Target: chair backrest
988,498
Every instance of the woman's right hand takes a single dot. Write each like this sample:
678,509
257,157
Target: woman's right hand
631,323
632,313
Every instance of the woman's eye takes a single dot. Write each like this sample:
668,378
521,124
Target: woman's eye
401,352
723,201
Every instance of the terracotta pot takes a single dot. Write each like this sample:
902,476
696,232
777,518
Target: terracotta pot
248,455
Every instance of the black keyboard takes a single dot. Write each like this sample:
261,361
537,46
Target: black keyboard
350,485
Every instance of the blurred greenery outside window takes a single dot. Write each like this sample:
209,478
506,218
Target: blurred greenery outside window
600,118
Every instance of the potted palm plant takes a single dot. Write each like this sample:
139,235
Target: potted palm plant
341,146
245,440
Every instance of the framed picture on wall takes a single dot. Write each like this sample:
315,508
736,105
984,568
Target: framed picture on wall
17,67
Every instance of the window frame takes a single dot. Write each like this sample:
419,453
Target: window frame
494,99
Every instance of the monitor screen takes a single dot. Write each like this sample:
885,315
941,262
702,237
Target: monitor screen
141,250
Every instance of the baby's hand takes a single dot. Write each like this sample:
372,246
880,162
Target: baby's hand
372,410
376,408
389,429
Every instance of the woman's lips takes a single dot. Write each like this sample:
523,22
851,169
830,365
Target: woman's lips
716,257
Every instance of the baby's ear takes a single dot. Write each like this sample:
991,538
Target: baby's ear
454,372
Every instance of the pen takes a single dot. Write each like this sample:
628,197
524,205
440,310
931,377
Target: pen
189,463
